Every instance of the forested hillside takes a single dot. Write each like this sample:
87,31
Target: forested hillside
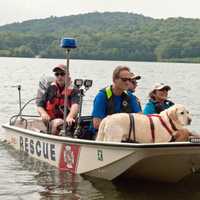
110,36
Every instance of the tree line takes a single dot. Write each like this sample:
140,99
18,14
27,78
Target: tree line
105,36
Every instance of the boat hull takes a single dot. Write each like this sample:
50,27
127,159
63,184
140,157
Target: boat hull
168,162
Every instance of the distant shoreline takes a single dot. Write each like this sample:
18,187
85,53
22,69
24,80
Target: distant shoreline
176,60
105,36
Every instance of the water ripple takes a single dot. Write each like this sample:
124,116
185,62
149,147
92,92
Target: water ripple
23,178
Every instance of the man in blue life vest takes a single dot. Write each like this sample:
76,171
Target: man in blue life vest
115,98
51,104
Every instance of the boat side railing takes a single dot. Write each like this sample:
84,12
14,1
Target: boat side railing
14,118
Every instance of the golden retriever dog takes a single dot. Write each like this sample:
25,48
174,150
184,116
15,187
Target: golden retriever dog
164,127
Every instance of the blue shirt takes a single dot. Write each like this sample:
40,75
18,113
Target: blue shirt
150,107
101,103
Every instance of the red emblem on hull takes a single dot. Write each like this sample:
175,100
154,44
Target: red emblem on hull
69,157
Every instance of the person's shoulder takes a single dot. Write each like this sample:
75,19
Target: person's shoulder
105,90
100,98
150,103
51,88
101,94
51,91
149,107
52,85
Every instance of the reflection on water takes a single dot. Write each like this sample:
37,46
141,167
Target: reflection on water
186,189
23,177
142,189
39,180
15,182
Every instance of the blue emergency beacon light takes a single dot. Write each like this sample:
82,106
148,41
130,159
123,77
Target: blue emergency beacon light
68,43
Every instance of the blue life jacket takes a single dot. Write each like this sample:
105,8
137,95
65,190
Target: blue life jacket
159,107
125,105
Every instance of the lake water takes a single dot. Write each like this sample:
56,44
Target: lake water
24,178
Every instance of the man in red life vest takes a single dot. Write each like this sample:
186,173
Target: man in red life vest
51,105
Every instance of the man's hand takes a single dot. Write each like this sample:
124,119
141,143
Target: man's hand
43,114
45,117
70,120
72,114
96,122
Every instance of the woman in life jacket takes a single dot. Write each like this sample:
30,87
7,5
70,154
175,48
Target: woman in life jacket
51,104
158,99
158,102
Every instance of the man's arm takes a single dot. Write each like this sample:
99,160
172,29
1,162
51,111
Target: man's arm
99,109
72,114
74,109
41,107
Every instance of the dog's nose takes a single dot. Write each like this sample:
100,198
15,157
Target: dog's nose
189,121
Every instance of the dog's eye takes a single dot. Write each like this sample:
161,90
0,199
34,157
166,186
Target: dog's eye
182,113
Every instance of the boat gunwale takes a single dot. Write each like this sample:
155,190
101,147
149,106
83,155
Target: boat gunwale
97,143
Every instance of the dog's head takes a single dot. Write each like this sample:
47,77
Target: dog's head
179,115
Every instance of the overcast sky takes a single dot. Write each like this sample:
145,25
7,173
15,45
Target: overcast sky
21,10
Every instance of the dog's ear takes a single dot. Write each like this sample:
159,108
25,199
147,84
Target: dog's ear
172,113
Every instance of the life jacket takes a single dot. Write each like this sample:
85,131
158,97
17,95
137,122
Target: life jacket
55,105
159,107
125,105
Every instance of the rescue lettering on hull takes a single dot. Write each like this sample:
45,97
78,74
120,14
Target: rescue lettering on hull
69,157
38,148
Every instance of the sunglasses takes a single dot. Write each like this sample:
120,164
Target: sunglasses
125,79
59,73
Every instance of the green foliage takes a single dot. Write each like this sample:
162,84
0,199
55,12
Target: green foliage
22,51
110,36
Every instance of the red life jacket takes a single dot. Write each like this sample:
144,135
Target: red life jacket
54,107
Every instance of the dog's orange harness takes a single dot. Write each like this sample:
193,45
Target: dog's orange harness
163,123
